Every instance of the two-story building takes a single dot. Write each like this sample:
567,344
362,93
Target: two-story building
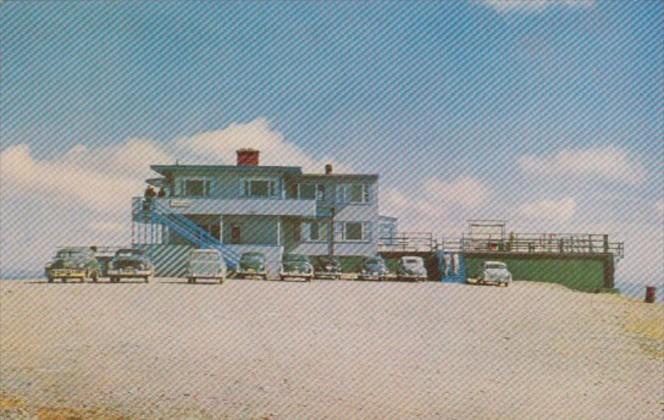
272,209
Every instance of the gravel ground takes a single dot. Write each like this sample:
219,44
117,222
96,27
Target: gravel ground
326,349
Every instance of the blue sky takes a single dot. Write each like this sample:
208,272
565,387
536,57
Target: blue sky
458,105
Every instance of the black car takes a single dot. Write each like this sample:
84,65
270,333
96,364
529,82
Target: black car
374,268
327,267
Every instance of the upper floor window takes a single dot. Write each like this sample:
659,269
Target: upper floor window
311,192
318,231
355,193
259,188
196,187
354,231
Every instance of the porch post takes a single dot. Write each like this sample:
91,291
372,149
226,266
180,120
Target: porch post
278,230
221,228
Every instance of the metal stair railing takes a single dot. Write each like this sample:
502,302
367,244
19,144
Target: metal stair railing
190,230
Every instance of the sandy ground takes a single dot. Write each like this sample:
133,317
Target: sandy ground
327,349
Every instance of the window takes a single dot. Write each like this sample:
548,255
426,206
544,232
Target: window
311,192
196,187
259,188
355,193
318,231
353,231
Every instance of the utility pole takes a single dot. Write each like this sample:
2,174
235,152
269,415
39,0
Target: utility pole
330,233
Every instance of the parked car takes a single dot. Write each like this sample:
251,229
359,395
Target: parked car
374,268
252,264
495,272
412,268
206,264
130,263
296,266
73,263
327,267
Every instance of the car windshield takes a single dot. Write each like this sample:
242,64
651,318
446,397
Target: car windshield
205,256
495,266
374,261
69,253
293,258
252,258
129,253
412,261
328,260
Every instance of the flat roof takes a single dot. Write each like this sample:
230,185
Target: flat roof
164,169
324,176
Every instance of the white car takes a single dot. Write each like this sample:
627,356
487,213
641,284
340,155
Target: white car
412,269
495,272
206,264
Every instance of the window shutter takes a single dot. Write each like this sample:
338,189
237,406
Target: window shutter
243,191
365,193
305,231
367,231
338,231
341,196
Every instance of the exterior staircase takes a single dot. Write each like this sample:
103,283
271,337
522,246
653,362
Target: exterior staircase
159,214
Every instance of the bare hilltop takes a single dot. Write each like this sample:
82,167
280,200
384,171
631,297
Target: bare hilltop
328,349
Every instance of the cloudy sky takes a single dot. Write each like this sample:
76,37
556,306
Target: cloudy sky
544,113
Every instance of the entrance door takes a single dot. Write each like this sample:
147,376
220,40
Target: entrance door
236,234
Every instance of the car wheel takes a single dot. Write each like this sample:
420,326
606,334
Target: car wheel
50,279
95,277
221,280
64,279
282,278
146,279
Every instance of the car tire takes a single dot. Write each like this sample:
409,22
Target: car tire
64,279
221,280
282,278
49,279
146,279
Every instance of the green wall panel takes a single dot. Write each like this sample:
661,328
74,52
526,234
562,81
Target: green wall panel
584,274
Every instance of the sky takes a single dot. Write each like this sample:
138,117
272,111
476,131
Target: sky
547,114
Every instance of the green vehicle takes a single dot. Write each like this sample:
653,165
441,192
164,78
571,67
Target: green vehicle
296,266
252,264
73,263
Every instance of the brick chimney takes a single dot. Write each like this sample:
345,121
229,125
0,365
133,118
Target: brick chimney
328,169
247,157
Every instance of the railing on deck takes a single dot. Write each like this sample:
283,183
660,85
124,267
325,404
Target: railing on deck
566,243
407,241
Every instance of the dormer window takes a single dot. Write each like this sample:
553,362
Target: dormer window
196,187
311,192
259,188
354,193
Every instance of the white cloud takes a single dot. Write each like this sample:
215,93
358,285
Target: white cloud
534,6
600,162
83,196
551,210
659,206
465,191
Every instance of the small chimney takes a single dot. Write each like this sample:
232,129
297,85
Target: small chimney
328,169
247,157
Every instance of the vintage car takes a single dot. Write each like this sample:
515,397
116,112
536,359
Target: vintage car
374,268
206,264
495,272
252,264
296,266
327,267
412,269
130,263
73,263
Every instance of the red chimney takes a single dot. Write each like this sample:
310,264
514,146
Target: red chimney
247,157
